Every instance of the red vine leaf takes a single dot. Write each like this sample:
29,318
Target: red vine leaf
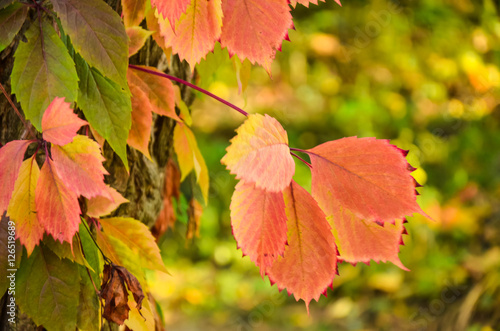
367,176
142,119
259,225
79,165
11,158
306,2
57,206
171,9
259,154
60,123
137,37
254,29
309,263
102,206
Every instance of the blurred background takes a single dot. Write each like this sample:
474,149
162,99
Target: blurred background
424,74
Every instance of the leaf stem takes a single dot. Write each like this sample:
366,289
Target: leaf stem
106,259
301,159
28,127
181,81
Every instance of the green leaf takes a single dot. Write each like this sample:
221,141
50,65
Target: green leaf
46,289
64,250
6,261
106,106
11,20
91,252
42,72
5,3
88,306
97,34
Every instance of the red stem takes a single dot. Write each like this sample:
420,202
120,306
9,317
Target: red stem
178,80
28,127
301,159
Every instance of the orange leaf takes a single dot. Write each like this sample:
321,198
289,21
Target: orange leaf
153,23
306,2
159,91
102,206
171,9
79,165
369,177
59,123
142,118
359,241
259,225
260,154
197,30
11,158
137,38
254,29
56,205
309,263
22,209
133,12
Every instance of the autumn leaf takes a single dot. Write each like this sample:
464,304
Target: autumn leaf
22,208
259,154
309,262
79,165
11,21
254,29
133,12
137,237
142,119
367,176
153,24
171,9
42,71
57,206
59,123
101,206
137,38
11,158
361,241
55,283
307,2
259,223
97,34
71,252
190,158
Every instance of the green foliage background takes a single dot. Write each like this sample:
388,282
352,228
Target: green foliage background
424,74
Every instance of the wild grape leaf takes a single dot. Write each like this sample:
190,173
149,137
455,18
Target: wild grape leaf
54,282
6,260
361,241
42,71
197,30
136,236
106,106
159,91
22,208
190,158
98,34
79,165
142,119
254,29
259,223
88,304
101,206
133,12
11,158
171,9
59,123
92,253
367,176
137,38
309,262
56,205
152,22
11,20
259,154
306,2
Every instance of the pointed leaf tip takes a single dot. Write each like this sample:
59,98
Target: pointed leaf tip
259,154
60,123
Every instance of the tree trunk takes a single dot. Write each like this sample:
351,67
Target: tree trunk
143,185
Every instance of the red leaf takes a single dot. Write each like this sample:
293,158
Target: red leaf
79,165
369,177
57,206
259,224
142,119
171,9
101,206
260,154
59,123
254,29
309,263
359,241
11,158
306,2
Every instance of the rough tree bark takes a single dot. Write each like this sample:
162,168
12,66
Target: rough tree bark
143,185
